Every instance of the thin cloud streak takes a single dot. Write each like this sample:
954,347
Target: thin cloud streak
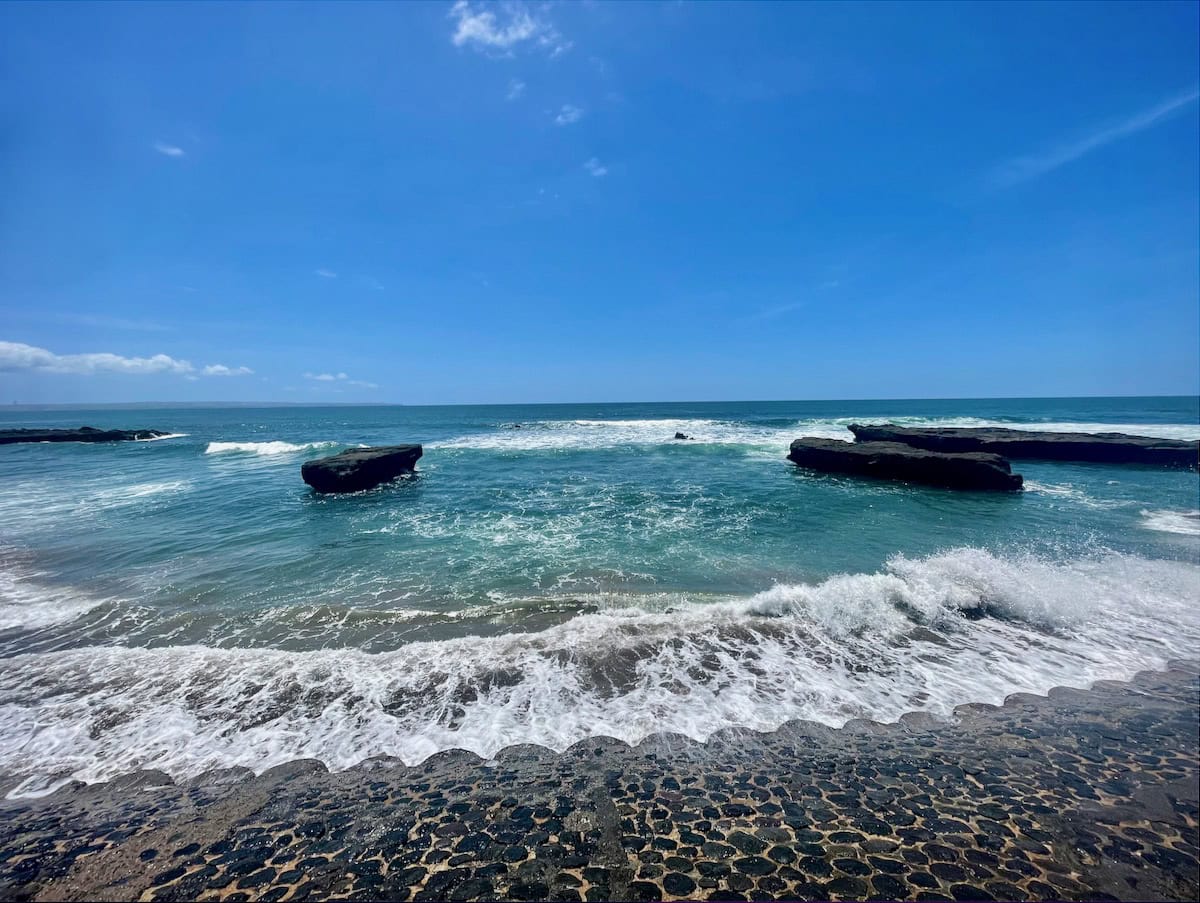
341,378
1023,169
169,150
516,88
596,168
17,357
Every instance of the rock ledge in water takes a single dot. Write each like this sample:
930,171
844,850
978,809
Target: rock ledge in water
360,468
1102,448
895,461
83,434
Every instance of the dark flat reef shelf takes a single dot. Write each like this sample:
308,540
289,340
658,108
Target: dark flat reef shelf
83,434
1100,448
1079,795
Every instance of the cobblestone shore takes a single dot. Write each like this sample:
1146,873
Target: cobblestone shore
1082,795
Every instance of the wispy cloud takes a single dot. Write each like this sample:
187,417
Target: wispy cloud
169,150
595,167
326,274
568,114
222,370
1022,169
17,356
500,28
516,88
340,378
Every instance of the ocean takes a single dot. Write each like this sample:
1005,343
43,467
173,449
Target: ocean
551,573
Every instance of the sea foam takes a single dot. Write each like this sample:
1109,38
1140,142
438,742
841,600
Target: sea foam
966,625
264,448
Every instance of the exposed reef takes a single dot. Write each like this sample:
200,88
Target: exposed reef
83,434
895,461
360,468
1101,448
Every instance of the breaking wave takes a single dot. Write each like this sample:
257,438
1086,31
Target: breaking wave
1186,523
776,434
966,625
264,448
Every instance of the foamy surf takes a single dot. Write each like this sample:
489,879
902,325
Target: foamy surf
264,448
1186,523
925,633
576,434
27,604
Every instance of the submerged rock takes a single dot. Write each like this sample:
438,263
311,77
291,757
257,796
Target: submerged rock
1104,448
895,461
360,468
83,434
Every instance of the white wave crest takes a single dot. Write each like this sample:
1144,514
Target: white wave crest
264,448
924,633
1186,523
161,438
27,604
585,434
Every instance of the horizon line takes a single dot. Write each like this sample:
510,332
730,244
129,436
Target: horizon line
27,406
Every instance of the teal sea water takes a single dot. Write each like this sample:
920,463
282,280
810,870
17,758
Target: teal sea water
552,573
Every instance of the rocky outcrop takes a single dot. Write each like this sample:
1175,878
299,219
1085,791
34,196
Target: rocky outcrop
896,461
83,434
360,468
1104,448
681,436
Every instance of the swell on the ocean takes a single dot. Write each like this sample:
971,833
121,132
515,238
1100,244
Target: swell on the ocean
965,625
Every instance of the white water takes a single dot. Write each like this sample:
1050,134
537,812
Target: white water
264,448
1186,523
583,434
922,634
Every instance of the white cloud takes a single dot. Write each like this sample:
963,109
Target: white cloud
340,378
595,168
568,114
169,150
516,88
1022,169
479,26
17,356
326,274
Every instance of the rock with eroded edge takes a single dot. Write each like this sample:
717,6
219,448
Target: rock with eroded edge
83,434
896,461
1100,448
360,468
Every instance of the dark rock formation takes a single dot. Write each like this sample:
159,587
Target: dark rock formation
682,436
83,434
1105,448
895,461
360,468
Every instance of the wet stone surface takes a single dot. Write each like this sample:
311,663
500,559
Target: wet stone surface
1078,796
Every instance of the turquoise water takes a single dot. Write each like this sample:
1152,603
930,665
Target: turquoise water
553,572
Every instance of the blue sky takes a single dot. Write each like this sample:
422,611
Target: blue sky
430,203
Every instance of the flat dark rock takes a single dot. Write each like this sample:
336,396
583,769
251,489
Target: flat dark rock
896,461
83,434
1105,448
360,468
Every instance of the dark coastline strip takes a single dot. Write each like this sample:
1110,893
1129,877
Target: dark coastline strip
83,434
1081,795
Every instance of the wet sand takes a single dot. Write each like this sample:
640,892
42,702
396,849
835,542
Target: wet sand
1082,795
